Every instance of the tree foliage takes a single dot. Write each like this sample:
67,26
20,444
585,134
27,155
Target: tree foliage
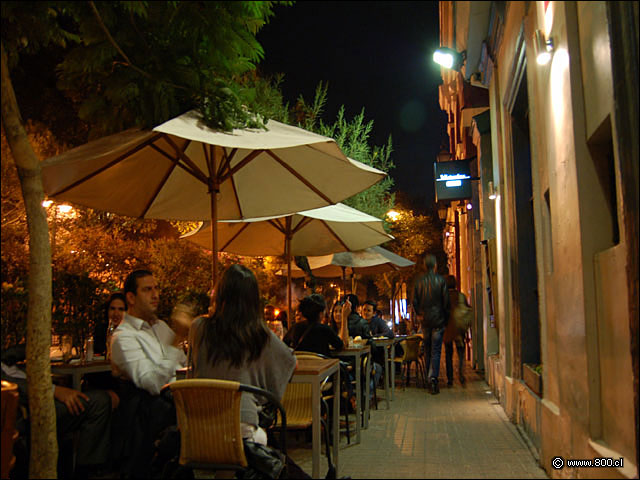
415,236
353,137
142,63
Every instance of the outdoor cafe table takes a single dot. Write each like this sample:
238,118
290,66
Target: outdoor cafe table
357,352
78,370
387,345
314,371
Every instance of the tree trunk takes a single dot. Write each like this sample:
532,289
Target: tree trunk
44,444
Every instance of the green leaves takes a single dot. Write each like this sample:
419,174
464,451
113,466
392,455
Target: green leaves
142,63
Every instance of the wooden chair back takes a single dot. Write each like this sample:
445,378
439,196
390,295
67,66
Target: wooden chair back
208,414
9,432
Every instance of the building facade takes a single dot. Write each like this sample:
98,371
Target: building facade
546,247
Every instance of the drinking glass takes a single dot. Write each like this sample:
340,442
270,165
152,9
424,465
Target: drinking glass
66,346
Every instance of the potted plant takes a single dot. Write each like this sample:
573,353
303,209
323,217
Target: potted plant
532,376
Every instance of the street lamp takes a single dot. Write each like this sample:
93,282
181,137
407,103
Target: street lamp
449,58
66,211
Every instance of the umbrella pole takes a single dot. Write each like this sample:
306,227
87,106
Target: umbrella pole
213,191
287,248
214,240
344,280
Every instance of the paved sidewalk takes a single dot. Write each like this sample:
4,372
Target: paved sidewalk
460,433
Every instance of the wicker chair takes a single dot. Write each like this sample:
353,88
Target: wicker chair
345,401
208,414
9,432
297,401
411,347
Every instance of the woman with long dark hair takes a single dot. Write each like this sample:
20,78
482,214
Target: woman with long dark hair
234,343
114,310
311,335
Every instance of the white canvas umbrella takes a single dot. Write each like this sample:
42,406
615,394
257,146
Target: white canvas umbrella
369,261
171,172
313,232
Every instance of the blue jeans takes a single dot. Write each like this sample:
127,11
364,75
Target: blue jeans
433,348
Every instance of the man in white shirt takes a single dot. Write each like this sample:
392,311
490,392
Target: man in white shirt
144,348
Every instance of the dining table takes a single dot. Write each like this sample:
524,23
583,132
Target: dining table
77,369
357,353
315,371
387,345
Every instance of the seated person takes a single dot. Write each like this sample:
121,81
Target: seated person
234,343
144,349
145,354
358,327
311,335
114,310
335,320
377,328
283,318
88,413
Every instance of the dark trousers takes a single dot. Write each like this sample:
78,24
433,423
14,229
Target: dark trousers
92,444
141,419
93,426
448,355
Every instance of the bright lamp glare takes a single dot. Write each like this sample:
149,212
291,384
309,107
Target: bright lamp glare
469,206
444,59
543,58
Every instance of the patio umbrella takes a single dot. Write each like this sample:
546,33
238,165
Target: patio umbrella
366,262
171,172
313,232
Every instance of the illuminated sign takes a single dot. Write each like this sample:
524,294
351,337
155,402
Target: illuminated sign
453,180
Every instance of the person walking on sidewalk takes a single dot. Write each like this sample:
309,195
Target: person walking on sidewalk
431,304
453,333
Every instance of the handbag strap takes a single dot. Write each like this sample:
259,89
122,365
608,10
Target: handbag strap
302,337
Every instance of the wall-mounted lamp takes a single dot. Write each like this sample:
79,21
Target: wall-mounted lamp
469,206
449,58
492,192
543,47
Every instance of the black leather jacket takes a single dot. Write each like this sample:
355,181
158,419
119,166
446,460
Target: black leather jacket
431,300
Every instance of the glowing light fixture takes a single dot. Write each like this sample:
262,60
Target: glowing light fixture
65,208
449,58
47,203
492,192
543,47
393,215
469,206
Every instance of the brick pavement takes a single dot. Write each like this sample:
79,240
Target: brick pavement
460,433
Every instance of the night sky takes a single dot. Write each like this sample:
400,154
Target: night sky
375,55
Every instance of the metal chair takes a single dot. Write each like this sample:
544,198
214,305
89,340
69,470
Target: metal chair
345,400
297,401
208,414
411,354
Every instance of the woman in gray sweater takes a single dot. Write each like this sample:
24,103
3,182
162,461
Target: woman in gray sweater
234,343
